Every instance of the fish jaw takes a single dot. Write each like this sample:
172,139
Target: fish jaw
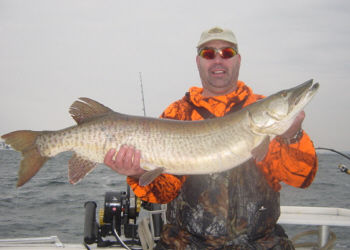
301,96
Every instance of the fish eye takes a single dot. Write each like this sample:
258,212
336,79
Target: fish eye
284,94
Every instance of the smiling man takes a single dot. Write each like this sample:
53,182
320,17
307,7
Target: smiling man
219,74
238,208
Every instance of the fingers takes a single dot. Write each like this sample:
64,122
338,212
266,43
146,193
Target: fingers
295,127
300,118
137,158
125,157
126,162
109,157
120,157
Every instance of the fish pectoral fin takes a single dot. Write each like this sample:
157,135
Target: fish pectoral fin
149,176
78,168
260,151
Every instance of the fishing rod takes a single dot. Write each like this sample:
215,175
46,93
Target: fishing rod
341,167
142,95
156,217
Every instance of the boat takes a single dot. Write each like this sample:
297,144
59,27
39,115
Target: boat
117,227
4,146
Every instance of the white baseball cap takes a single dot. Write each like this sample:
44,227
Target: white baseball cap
217,33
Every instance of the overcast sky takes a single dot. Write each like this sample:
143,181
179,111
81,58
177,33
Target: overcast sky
54,51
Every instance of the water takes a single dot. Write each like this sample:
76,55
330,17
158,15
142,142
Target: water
48,205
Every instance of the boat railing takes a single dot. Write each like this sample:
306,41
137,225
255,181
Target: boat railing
323,217
32,242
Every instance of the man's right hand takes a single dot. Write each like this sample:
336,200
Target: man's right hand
126,161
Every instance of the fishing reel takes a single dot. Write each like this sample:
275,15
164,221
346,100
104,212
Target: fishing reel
118,219
341,167
344,169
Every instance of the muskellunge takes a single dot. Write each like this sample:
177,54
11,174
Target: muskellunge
169,146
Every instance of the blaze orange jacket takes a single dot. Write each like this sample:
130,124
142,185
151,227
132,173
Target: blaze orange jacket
294,164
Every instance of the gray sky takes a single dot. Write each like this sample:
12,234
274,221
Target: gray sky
54,51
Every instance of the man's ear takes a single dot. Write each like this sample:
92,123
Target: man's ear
197,61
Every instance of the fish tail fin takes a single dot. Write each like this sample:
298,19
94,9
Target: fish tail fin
24,142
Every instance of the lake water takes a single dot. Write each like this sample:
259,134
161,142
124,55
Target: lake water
48,205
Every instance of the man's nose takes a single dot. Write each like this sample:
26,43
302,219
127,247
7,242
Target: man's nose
217,58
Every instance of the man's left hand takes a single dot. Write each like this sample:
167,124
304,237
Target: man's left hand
295,127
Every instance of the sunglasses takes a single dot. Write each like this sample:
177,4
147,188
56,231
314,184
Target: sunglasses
210,53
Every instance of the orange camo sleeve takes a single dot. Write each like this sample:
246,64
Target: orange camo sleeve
295,164
162,190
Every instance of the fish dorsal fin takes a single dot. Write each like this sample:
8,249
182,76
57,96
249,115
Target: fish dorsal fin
85,108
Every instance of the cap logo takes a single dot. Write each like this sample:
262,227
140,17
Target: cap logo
215,30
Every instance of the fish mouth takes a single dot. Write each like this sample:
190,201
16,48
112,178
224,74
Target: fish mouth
303,93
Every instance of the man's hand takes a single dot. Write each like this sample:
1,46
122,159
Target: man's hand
126,162
294,128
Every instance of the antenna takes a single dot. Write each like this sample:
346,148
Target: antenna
143,99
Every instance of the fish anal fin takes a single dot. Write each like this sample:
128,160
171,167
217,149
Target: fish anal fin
78,168
260,151
149,176
85,108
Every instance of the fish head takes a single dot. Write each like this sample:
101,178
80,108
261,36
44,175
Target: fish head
276,113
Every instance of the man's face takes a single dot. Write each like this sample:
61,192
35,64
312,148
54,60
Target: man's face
219,76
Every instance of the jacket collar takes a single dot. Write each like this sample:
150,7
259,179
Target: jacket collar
220,105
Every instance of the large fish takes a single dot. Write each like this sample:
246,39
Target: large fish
167,146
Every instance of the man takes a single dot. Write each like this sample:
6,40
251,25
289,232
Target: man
238,208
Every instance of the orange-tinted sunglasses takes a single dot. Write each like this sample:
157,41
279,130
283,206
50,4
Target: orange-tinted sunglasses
210,53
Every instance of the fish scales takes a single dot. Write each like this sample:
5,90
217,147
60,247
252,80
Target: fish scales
175,147
161,143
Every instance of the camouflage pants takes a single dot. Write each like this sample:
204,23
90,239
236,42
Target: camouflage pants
173,238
